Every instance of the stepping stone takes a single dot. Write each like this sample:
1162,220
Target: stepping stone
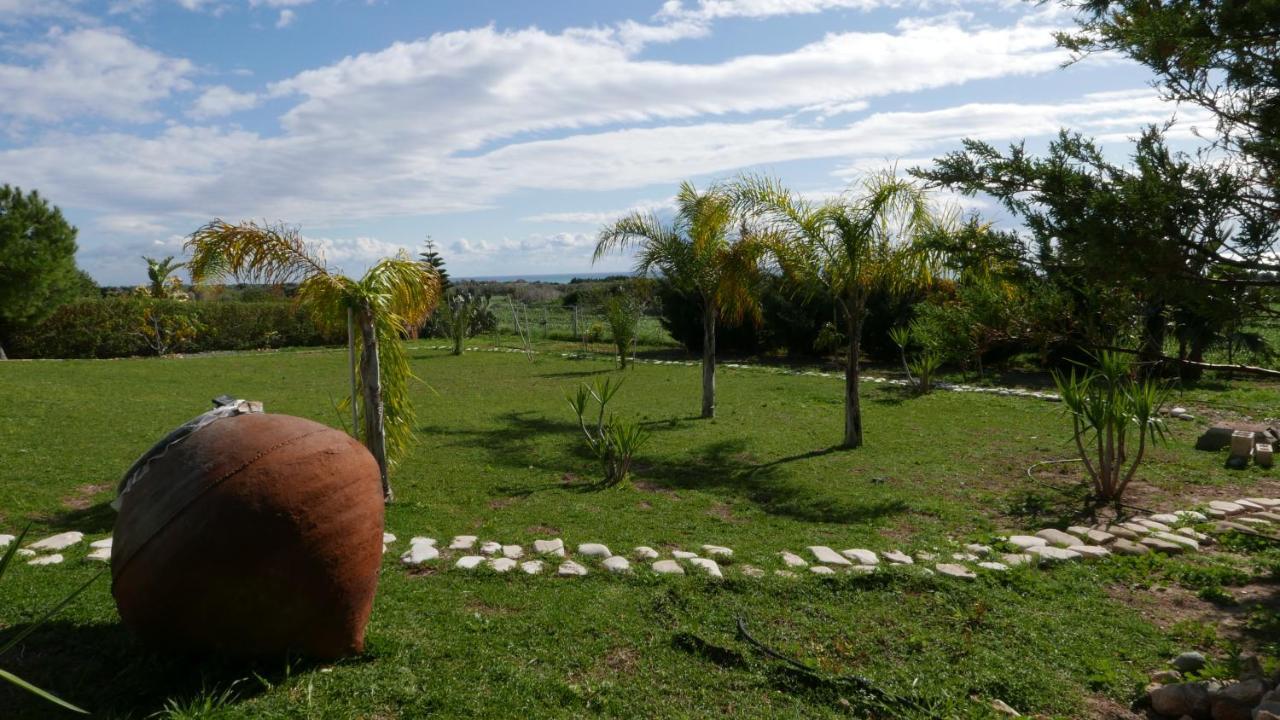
61,541
1136,528
792,560
1223,526
418,554
861,569
514,552
593,550
23,552
549,547
1266,502
502,564
828,556
463,542
1054,554
708,566
997,566
1191,515
898,558
1216,514
1197,536
1016,559
924,556
683,554
1167,518
752,571
1089,551
668,567
821,570
103,543
6,540
965,557
469,562
644,552
1176,538
421,540
717,551
491,548
1268,516
1163,546
1251,505
861,557
1026,541
53,559
1253,521
388,538
978,549
569,568
617,564
1098,537
1229,508
1154,526
956,571
531,567
102,553
1059,538
1129,547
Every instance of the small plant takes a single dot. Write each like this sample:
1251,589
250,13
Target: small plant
164,330
920,370
622,311
1108,407
925,366
19,637
461,316
613,440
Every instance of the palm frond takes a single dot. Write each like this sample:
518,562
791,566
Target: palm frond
249,252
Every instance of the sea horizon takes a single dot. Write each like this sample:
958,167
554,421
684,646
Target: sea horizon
553,278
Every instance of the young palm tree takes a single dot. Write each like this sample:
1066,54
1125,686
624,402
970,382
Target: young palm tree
701,254
394,293
158,273
848,248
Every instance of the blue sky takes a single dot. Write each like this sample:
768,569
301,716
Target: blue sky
507,131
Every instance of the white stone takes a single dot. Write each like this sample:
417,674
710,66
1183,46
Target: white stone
419,553
1229,508
1015,559
861,557
1177,538
103,554
964,557
1027,541
956,571
1055,554
384,548
469,562
531,567
463,542
61,541
388,538
707,565
828,556
644,552
491,548
1090,551
103,543
1167,518
53,559
1154,525
1197,536
717,551
992,565
978,549
1136,528
594,550
422,540
502,564
898,558
1266,502
668,567
861,569
1191,515
1058,538
6,540
1251,505
549,547
1253,521
790,559
515,552
569,568
683,554
821,570
752,571
924,556
617,564
23,552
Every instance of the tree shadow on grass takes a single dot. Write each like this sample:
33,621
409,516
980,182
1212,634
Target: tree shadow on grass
103,669
93,520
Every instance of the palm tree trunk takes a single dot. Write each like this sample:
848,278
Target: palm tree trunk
708,359
375,437
852,408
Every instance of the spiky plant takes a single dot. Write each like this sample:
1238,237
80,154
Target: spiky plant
161,284
701,252
395,293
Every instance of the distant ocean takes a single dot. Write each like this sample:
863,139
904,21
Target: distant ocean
557,278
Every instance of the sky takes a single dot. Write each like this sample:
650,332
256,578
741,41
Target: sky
509,132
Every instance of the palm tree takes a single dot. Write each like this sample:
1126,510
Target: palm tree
848,248
700,254
158,272
392,294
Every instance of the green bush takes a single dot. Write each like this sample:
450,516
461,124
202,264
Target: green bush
114,327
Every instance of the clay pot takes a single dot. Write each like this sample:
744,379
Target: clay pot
257,534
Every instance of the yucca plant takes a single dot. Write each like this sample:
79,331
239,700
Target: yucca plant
394,294
622,311
1112,410
19,637
925,367
901,336
613,440
458,316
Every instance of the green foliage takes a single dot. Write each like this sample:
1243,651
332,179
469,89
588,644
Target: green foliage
463,315
162,283
166,330
613,440
1108,406
623,311
207,705
433,259
37,261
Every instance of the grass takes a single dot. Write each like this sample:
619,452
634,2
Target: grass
499,456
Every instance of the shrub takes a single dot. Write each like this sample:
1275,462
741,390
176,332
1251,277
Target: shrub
613,440
622,311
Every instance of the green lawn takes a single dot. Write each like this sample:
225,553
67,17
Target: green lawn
498,456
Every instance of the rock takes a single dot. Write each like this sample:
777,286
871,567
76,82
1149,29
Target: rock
1266,502
1136,528
1229,508
644,552
861,569
752,571
924,556
1182,699
1269,516
419,553
1027,541
1167,518
821,570
502,564
469,562
1122,532
61,541
792,560
514,552
1002,708
6,541
1191,661
1250,520
1250,505
1153,525
463,542
828,556
861,557
1270,705
964,557
956,571
1091,536
1197,536
1054,554
388,538
1059,538
1176,538
978,549
491,548
23,552
707,565
1191,515
549,547
717,551
898,558
1236,701
668,567
1128,547
422,540
531,567
991,565
103,554
53,559
103,543
1016,559
593,550
1163,546
617,564
1215,438
569,568
1165,677
1090,551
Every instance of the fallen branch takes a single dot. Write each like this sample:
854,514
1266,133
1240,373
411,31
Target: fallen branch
1221,367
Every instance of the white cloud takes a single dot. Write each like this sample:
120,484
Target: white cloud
17,11
286,18
89,72
221,100
600,217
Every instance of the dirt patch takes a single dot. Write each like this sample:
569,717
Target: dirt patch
500,503
82,499
646,486
542,530
644,505
622,660
1104,708
1169,606
480,607
722,511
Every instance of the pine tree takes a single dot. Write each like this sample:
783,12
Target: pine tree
432,257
